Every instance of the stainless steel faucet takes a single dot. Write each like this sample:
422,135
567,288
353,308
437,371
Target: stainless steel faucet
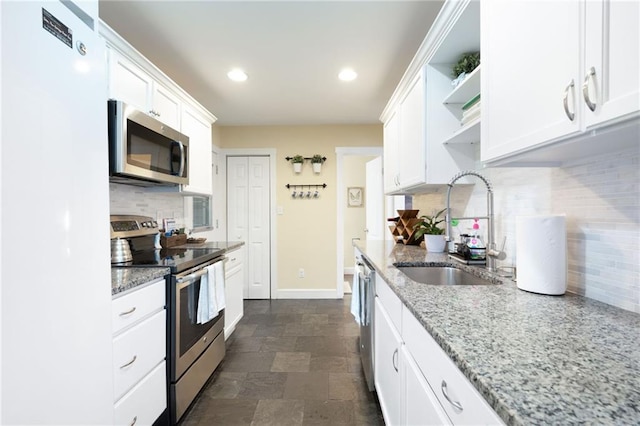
492,254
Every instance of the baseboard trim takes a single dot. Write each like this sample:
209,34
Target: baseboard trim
308,294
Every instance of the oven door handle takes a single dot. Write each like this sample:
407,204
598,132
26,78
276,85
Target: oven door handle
192,276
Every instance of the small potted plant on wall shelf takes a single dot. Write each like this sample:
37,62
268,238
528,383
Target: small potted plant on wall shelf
316,162
297,161
433,238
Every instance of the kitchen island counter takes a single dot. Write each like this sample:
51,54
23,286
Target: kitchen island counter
535,359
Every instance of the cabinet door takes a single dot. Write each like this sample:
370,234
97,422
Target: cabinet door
612,46
166,106
387,343
421,406
411,146
390,138
234,287
530,56
128,82
199,131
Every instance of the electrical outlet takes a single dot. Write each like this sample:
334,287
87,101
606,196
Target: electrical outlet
300,273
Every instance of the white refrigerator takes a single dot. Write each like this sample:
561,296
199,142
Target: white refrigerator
55,288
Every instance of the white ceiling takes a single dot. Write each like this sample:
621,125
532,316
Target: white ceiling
291,50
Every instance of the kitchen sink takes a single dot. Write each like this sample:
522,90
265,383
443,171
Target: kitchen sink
441,275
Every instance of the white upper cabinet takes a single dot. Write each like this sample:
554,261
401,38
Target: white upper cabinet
136,81
612,60
553,70
422,123
131,84
198,128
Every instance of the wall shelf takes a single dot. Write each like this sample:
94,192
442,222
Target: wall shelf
466,90
465,135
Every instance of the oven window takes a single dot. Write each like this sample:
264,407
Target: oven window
190,330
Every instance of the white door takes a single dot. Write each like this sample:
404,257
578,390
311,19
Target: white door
374,200
248,219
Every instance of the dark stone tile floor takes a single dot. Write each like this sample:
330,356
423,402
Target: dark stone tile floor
289,362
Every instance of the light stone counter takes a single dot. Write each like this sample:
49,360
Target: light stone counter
536,359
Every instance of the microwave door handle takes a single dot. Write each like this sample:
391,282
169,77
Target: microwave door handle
182,159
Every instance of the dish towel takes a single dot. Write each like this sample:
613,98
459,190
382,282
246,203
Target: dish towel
207,300
355,297
218,273
204,299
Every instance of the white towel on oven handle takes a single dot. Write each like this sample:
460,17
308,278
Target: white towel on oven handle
218,275
207,304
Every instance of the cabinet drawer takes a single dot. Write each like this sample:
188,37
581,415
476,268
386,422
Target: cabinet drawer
144,403
131,307
390,301
443,376
137,351
235,259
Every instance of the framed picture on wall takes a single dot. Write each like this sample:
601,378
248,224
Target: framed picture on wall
355,196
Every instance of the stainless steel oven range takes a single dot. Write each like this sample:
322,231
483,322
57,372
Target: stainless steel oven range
193,350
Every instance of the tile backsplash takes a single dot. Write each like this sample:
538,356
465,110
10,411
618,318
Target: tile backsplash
128,199
601,200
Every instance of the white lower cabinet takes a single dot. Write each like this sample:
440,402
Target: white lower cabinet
139,354
421,406
388,381
416,382
234,287
461,402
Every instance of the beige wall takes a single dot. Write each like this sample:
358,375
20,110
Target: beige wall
306,231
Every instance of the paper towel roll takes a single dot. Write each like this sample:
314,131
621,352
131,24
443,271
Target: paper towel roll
541,261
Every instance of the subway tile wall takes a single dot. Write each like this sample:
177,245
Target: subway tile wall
128,199
601,199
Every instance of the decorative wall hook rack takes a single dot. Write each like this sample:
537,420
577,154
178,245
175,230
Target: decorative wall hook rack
306,158
306,185
308,193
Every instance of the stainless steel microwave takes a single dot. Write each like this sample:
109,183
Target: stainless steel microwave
143,151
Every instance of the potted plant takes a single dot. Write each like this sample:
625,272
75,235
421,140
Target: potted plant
297,161
467,63
433,238
316,162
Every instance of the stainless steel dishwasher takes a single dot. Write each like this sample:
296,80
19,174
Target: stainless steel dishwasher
366,295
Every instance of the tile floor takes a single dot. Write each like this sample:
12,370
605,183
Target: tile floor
289,362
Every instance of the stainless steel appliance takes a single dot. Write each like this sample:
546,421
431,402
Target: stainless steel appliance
193,350
366,294
143,151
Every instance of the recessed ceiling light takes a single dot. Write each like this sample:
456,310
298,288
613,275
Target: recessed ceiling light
347,74
237,75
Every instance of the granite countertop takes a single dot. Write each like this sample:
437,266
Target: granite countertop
127,278
536,359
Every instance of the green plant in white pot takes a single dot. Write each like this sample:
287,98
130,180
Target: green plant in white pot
316,163
433,238
297,161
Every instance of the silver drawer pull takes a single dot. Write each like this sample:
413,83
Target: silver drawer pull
130,362
133,422
130,311
455,404
394,360
585,89
565,101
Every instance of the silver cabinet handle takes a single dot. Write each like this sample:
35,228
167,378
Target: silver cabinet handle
130,311
455,404
130,362
394,360
585,88
565,101
133,422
